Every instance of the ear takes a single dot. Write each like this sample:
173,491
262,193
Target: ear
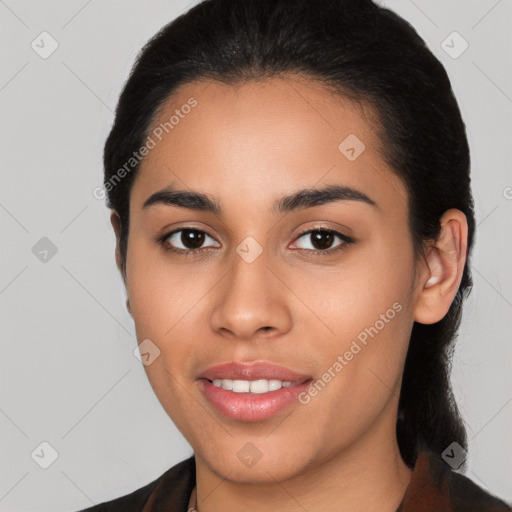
115,220
441,276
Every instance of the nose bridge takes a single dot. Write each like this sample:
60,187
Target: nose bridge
251,298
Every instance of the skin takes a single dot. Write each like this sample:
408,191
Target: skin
246,147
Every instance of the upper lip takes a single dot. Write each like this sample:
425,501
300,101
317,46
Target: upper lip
257,370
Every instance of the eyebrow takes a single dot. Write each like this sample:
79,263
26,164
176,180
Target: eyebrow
302,199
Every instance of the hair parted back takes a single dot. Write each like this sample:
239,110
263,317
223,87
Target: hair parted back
365,53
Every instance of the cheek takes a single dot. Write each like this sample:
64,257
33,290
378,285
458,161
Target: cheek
361,369
369,312
164,305
167,305
367,295
160,294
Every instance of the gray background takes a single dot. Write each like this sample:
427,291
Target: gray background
68,373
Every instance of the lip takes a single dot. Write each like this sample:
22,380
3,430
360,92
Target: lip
251,407
252,371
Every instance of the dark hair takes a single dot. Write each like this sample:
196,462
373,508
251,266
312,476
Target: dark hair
365,53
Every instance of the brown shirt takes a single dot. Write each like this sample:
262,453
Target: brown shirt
434,487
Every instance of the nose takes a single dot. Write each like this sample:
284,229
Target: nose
251,303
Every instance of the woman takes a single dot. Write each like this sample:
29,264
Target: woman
290,193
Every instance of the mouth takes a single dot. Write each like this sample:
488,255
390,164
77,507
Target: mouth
252,391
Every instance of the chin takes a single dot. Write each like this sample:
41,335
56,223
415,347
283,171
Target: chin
253,465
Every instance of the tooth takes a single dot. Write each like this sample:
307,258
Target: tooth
241,386
274,384
259,386
227,384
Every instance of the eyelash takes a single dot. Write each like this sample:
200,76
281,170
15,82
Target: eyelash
346,242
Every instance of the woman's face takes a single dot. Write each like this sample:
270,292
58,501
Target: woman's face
335,322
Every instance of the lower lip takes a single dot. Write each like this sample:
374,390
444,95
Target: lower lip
251,406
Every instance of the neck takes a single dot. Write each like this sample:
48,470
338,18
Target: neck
370,475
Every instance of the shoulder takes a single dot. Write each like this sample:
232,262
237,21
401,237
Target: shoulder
435,486
174,486
466,495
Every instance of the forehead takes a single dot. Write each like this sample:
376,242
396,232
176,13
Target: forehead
262,139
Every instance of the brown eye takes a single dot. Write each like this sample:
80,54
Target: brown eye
187,239
323,240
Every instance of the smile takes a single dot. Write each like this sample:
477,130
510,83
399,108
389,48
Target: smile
252,391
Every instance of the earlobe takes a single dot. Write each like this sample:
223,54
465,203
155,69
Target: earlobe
442,274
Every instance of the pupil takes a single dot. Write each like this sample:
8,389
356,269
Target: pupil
192,239
322,240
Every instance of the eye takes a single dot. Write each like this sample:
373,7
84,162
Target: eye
321,240
192,240
185,240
